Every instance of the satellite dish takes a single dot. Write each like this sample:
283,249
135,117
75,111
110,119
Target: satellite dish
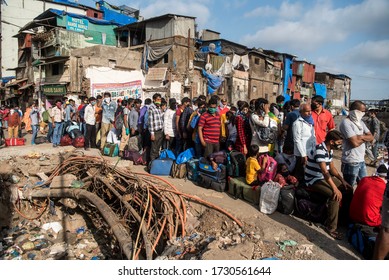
208,67
212,47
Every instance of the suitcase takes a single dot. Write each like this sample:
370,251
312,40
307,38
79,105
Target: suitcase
15,141
236,165
192,168
111,150
238,188
179,170
209,183
161,167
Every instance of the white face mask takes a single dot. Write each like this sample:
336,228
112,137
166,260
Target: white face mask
12,111
107,100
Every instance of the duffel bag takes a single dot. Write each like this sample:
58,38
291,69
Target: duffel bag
79,142
15,141
179,170
209,183
66,140
111,150
132,155
238,188
161,167
219,175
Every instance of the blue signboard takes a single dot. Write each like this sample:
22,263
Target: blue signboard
77,24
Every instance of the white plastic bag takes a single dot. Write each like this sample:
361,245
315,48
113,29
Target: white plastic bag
270,193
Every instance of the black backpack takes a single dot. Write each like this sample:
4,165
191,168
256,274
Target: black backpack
236,166
119,119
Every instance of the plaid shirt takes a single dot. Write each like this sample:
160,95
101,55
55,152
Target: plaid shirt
155,119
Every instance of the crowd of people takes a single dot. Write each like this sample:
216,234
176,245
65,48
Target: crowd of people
300,137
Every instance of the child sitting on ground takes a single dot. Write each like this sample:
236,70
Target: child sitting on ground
283,176
252,166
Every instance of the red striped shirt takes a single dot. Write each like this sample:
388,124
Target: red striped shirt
211,127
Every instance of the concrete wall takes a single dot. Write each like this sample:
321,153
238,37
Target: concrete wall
100,56
18,13
239,87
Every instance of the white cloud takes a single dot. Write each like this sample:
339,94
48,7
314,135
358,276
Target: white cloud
370,53
196,9
265,11
285,11
321,25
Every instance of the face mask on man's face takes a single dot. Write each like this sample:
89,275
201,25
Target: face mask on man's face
107,99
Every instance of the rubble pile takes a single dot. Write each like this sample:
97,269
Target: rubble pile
142,212
56,211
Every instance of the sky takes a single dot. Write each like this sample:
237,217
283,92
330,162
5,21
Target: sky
339,36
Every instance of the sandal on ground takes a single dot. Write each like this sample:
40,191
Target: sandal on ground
334,234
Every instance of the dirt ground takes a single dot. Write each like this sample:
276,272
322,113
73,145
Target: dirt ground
262,236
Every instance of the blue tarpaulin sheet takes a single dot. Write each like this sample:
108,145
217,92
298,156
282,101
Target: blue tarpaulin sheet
218,48
214,82
287,76
320,89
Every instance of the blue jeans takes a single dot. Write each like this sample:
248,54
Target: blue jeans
57,133
35,129
353,172
50,133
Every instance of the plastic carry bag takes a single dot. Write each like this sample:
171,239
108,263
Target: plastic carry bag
167,154
185,156
270,193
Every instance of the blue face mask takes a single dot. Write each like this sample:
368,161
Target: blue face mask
308,119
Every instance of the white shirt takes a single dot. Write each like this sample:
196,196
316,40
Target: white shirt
168,122
303,137
89,115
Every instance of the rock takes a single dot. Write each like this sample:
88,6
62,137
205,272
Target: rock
43,176
5,168
28,246
68,202
63,181
244,251
15,179
236,238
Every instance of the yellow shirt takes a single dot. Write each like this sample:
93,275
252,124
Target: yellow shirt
252,167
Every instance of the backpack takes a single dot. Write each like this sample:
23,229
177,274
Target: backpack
236,164
286,201
46,116
119,119
269,170
194,122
